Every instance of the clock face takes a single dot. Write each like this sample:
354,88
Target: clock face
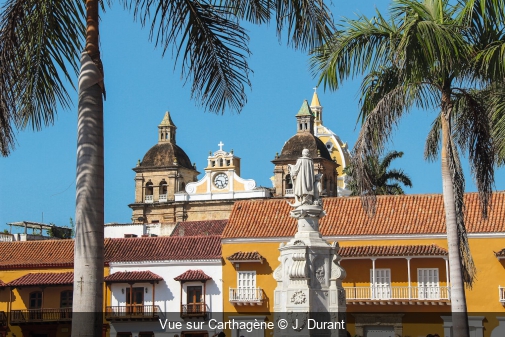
221,180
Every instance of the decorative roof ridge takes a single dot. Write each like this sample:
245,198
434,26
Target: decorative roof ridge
193,275
305,109
42,279
241,256
145,275
167,120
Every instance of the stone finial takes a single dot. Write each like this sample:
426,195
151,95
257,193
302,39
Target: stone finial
138,162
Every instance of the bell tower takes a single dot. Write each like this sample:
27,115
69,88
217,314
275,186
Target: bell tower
305,119
166,130
316,108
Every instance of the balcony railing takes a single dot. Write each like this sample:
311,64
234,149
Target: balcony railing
288,191
501,294
163,198
132,312
193,310
246,296
41,315
149,199
3,318
397,293
6,237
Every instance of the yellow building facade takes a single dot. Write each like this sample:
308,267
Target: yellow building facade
403,246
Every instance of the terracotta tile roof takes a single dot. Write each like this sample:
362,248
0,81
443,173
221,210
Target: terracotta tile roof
406,250
43,279
246,256
2,284
28,254
193,275
406,214
138,276
60,253
163,248
199,228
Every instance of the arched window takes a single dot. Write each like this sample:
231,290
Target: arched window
221,162
183,185
163,187
289,183
149,188
35,300
66,298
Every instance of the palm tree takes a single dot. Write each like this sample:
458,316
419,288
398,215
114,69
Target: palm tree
41,39
385,181
436,55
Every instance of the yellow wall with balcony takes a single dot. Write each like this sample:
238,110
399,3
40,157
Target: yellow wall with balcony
17,300
482,298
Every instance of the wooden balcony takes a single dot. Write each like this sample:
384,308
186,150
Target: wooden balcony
41,316
135,312
193,310
398,295
246,296
3,318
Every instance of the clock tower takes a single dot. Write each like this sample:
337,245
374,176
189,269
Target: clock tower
222,180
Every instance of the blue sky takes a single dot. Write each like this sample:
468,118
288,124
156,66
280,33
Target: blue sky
38,178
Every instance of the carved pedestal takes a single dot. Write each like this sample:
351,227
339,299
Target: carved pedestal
309,299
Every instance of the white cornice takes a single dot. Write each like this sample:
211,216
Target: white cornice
165,262
370,237
381,257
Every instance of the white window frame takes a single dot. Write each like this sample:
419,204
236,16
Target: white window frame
246,291
428,286
380,290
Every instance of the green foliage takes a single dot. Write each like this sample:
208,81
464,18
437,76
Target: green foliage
385,181
436,55
40,43
59,232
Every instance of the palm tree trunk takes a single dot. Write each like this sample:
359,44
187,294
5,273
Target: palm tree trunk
89,214
458,298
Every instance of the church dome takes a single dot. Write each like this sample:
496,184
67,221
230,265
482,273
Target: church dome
292,150
165,154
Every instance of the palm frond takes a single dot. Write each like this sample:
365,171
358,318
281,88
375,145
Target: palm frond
431,39
307,23
472,132
398,175
212,45
458,185
389,157
255,11
362,46
39,41
496,101
432,145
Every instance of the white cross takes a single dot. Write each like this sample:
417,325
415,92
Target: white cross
315,89
220,146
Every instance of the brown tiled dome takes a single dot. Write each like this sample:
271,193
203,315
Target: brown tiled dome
164,154
292,150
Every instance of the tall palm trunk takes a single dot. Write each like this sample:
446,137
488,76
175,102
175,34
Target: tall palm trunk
458,298
89,218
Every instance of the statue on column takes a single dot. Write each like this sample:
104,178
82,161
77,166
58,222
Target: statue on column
306,185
